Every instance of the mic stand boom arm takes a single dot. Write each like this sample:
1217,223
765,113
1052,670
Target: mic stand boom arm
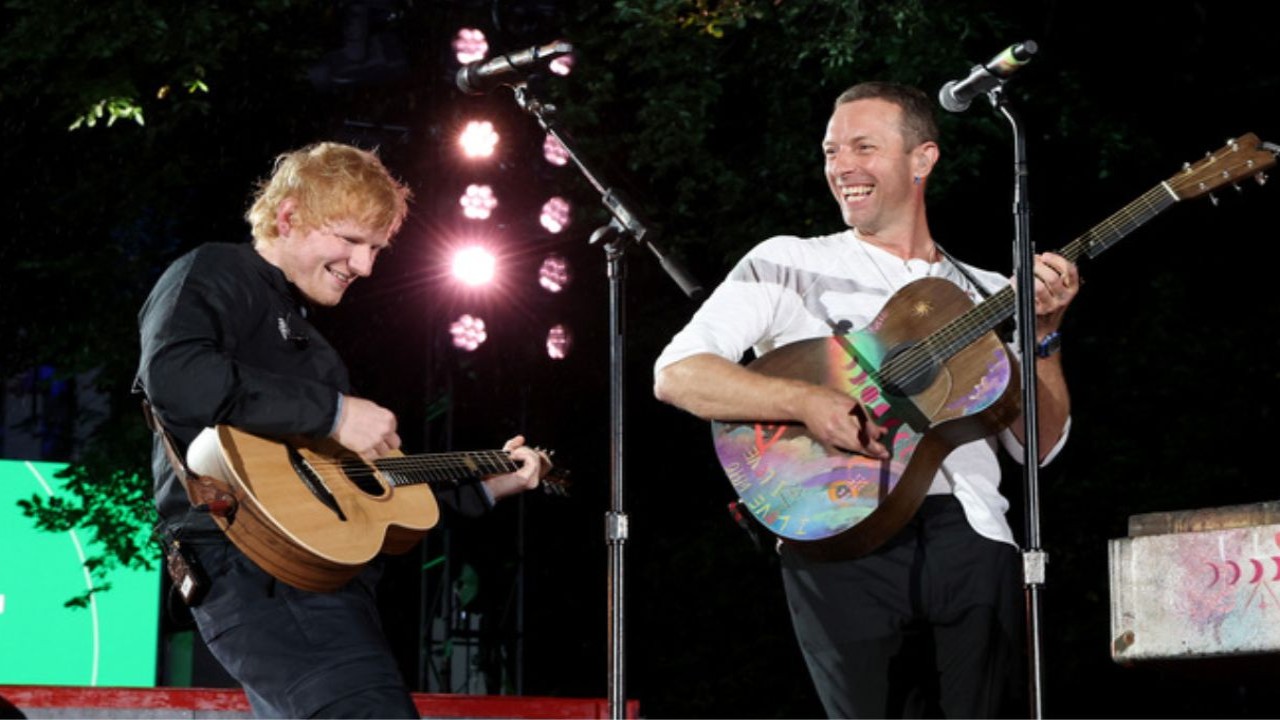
625,227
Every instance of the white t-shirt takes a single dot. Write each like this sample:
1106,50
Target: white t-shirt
788,289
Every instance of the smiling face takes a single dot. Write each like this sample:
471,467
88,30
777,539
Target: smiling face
869,168
323,261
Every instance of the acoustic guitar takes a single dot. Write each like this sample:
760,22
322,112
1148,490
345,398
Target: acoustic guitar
931,370
313,514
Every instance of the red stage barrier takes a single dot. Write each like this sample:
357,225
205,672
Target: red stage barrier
37,701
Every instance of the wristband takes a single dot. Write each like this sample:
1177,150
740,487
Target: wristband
1049,345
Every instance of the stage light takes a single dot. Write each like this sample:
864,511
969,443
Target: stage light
554,273
555,214
554,151
468,332
478,202
478,139
470,45
474,265
559,340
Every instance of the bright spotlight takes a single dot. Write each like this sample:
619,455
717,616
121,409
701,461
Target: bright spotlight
470,45
474,265
554,151
468,332
555,214
478,139
559,340
554,273
478,202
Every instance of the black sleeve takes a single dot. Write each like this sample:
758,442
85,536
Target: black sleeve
190,327
461,501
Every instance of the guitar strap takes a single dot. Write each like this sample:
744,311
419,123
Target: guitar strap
1005,331
983,291
180,562
205,493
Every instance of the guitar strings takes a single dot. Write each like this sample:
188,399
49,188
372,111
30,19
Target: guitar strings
917,362
441,466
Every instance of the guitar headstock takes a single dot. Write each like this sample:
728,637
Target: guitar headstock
1237,160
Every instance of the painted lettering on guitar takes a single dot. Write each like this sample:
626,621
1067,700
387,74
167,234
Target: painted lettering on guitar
737,477
762,445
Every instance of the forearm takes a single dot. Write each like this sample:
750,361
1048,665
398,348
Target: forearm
1053,402
714,388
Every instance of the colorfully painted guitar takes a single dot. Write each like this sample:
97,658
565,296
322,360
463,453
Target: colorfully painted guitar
931,370
313,515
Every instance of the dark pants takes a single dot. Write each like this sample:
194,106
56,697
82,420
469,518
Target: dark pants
931,624
299,654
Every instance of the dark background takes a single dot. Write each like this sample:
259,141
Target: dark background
1170,348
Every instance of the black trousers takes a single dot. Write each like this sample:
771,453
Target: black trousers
300,654
929,625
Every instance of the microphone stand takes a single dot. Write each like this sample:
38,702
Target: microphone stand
624,229
1033,558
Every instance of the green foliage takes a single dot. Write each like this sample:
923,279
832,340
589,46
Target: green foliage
113,108
720,107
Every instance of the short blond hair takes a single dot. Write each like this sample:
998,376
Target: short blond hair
329,182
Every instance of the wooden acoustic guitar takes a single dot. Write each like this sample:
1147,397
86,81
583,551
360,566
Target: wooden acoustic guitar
932,371
313,514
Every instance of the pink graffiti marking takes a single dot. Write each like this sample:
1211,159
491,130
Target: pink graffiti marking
761,445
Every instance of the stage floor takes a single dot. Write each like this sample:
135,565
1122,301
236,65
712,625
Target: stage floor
46,701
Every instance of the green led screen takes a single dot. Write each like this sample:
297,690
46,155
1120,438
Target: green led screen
112,642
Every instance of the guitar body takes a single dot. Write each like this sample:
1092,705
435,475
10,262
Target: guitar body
310,516
832,504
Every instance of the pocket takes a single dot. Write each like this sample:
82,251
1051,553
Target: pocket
238,591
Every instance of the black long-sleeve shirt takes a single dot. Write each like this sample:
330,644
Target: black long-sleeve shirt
225,341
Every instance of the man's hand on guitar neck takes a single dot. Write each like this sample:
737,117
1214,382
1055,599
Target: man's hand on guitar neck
534,465
1057,282
366,428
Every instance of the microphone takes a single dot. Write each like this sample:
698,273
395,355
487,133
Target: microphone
956,95
480,77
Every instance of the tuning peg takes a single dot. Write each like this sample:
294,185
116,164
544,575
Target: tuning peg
1213,199
1237,188
1261,178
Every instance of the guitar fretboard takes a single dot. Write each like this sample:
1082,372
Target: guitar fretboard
905,369
445,467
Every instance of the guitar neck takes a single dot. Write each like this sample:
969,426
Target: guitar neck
988,314
452,467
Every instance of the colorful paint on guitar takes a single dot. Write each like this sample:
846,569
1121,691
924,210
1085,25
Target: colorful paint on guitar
800,490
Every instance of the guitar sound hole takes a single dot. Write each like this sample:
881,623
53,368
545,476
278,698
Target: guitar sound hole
906,376
361,474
